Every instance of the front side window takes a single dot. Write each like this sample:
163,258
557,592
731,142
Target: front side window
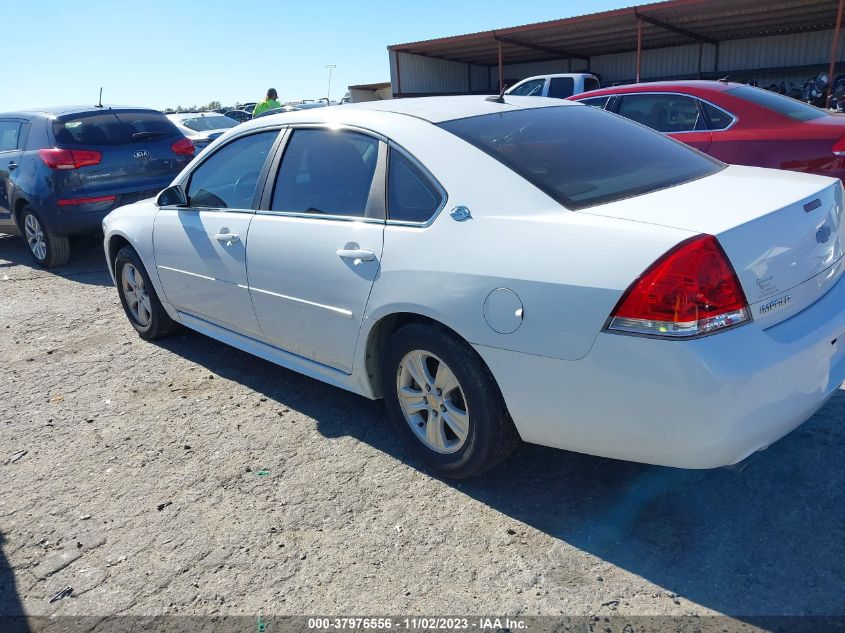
326,172
9,134
663,112
228,178
583,157
561,87
411,196
788,107
591,83
532,88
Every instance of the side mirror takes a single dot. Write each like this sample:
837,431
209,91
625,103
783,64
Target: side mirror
173,196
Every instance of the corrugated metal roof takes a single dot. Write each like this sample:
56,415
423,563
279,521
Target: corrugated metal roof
671,23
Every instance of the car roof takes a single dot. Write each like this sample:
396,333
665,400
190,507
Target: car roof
431,109
74,109
692,86
181,116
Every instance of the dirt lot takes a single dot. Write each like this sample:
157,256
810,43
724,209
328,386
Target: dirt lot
188,477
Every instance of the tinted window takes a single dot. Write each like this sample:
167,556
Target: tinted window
228,178
325,171
411,196
206,123
663,112
113,127
591,83
717,119
583,156
596,102
9,133
786,106
561,87
528,89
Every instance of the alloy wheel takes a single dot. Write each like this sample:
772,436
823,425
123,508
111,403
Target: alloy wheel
35,237
135,293
432,401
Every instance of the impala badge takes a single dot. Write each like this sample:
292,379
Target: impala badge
141,153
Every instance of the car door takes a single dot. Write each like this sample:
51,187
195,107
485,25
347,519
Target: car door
723,141
11,149
315,251
676,115
200,249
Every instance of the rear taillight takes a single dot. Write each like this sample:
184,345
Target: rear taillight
56,158
839,147
184,147
691,290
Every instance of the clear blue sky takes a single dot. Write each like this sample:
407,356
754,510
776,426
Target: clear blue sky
162,53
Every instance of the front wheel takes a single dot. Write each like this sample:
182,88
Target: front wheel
445,402
138,297
47,248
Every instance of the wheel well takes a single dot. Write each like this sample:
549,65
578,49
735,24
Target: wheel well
19,205
116,242
379,337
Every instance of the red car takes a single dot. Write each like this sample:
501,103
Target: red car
735,123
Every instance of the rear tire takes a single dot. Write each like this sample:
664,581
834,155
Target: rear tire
47,249
138,297
445,403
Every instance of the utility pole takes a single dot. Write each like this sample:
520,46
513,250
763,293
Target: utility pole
330,68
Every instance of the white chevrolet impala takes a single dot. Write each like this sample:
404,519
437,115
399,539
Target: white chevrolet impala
505,269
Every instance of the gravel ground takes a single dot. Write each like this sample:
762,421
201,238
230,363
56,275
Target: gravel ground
187,477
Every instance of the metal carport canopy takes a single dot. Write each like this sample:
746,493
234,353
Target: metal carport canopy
642,27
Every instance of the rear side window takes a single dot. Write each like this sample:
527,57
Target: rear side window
583,157
666,113
9,135
326,172
411,196
561,87
596,102
717,119
792,108
113,127
228,178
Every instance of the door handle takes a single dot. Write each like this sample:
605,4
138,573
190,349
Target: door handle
12,165
357,254
229,238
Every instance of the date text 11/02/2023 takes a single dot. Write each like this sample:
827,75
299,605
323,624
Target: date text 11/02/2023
415,623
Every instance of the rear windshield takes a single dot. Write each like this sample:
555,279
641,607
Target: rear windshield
792,108
112,127
583,156
208,123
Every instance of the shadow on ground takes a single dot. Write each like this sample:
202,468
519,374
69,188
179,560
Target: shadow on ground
767,538
12,619
87,263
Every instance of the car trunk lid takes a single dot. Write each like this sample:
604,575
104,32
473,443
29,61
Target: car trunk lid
782,231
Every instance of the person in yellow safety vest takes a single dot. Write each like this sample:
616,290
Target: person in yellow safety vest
270,103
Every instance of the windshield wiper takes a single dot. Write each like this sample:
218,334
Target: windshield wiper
144,136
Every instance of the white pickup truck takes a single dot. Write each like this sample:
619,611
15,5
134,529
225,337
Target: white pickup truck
557,86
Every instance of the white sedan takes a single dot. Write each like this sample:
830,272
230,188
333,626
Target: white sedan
202,127
504,269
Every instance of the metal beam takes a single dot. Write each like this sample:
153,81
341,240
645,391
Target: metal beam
675,29
834,49
639,44
538,47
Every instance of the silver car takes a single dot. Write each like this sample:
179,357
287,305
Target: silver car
202,127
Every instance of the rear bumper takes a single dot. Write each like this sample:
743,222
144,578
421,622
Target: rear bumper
87,218
694,404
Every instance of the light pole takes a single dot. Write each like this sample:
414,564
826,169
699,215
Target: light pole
330,68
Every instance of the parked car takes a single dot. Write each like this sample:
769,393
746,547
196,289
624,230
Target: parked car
202,127
559,86
735,123
63,169
531,269
249,107
238,115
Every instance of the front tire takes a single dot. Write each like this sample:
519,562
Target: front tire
445,403
47,248
138,297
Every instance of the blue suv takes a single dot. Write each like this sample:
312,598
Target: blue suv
62,170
